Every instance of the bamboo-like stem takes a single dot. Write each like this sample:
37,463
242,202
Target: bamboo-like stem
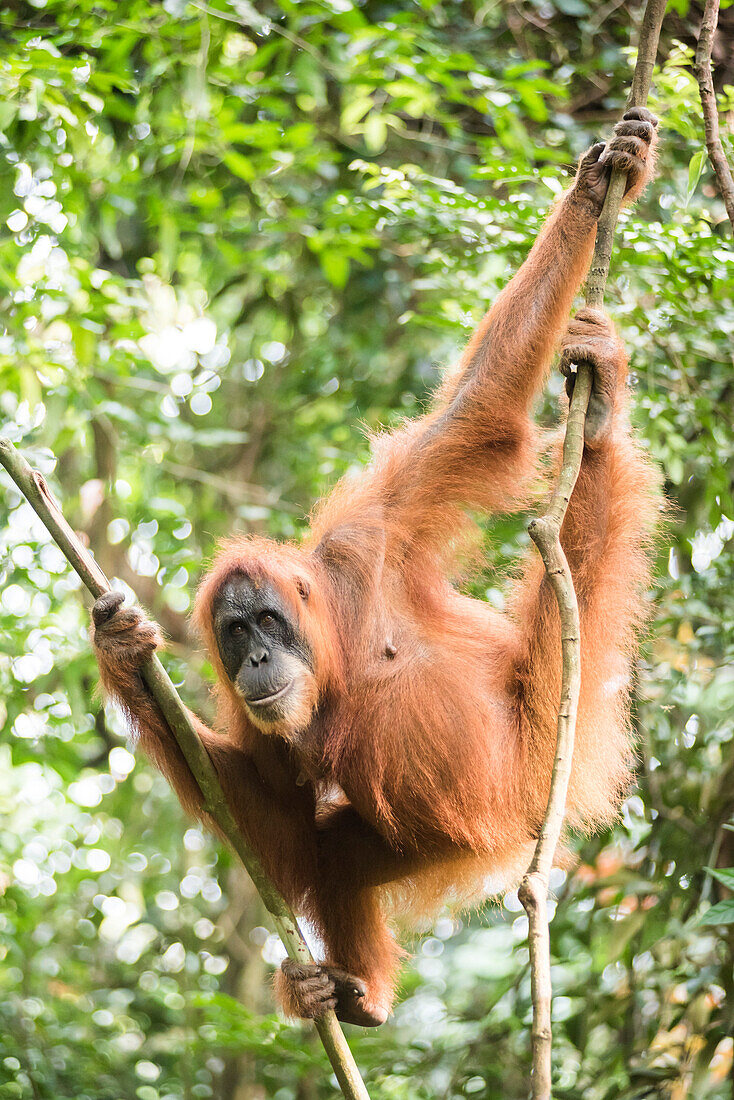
545,533
34,488
704,77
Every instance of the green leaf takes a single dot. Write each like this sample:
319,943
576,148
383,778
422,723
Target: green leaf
375,132
335,267
354,112
724,875
695,168
85,343
240,165
30,386
8,111
249,14
722,913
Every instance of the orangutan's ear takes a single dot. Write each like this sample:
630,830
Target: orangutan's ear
303,587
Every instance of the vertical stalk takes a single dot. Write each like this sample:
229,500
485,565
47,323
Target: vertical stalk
545,533
704,77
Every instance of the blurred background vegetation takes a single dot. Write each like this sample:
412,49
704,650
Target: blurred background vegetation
233,234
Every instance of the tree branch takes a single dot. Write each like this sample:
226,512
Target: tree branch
702,70
34,488
545,533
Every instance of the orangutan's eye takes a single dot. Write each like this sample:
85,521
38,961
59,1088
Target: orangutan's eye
237,628
266,620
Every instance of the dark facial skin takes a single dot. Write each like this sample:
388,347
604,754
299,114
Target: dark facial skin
260,646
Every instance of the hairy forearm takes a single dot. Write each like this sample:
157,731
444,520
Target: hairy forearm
584,530
124,685
511,349
271,824
601,523
606,538
508,355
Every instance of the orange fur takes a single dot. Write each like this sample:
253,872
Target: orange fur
434,714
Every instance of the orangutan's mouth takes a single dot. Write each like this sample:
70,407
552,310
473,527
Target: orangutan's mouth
266,700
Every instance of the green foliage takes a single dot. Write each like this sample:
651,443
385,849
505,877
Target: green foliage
234,236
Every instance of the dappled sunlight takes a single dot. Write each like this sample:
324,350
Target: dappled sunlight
235,236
